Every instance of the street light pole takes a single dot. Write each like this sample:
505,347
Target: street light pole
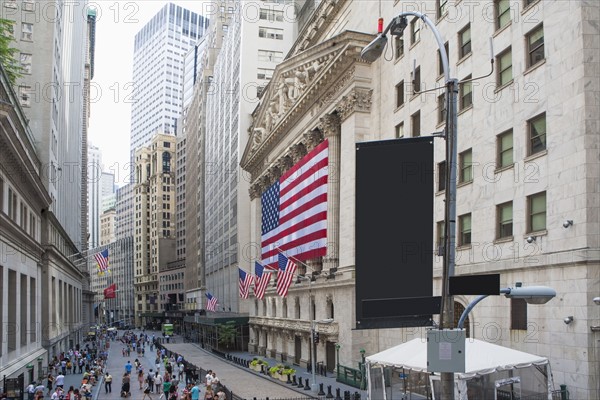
372,52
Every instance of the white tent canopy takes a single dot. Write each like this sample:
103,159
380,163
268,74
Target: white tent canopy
481,357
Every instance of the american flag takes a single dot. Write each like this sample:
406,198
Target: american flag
211,304
263,276
245,283
287,268
294,210
102,260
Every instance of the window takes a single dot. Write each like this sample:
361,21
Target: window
167,144
166,162
225,28
518,314
416,81
442,176
442,108
399,94
25,96
415,30
1,195
535,46
399,130
527,3
466,93
466,166
268,55
26,63
399,46
441,7
264,73
271,15
505,149
270,33
28,6
502,10
464,229
416,124
504,62
537,134
12,204
26,31
464,42
537,212
440,241
440,65
504,217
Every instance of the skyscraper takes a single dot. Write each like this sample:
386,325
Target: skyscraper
94,192
158,60
51,52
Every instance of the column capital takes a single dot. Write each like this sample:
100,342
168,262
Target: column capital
357,100
330,125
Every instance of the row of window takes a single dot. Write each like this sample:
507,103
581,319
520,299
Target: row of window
536,221
17,210
534,40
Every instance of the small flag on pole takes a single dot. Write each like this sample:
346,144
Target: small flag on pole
211,304
110,292
245,282
285,275
263,276
102,260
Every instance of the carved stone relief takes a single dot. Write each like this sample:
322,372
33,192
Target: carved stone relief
356,100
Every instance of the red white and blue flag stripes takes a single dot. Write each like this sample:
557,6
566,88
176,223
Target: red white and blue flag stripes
102,260
285,275
294,210
211,304
263,276
245,283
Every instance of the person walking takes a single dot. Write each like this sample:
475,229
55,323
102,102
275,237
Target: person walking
30,391
108,383
50,382
195,392
158,380
60,381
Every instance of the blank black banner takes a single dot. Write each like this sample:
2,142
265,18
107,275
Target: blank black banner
394,232
475,284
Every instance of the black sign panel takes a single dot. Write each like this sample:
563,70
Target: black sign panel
394,233
475,285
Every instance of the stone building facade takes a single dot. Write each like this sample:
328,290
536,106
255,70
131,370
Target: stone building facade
528,142
154,235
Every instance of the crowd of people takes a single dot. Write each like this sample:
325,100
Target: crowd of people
172,377
88,362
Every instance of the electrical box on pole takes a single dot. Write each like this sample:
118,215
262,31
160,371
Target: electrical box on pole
446,350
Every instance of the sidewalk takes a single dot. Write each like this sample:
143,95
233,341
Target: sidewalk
207,360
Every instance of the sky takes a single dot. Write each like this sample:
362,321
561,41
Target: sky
111,89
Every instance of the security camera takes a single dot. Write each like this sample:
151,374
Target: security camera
567,223
530,239
568,320
597,300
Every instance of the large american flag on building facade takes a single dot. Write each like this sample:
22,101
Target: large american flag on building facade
285,275
211,304
263,276
245,283
294,210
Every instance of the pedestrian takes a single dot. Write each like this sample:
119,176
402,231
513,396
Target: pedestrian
195,393
150,380
108,383
128,367
141,378
70,393
157,382
147,391
166,387
50,382
31,390
60,381
208,378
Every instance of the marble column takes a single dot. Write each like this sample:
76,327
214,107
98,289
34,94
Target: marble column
330,126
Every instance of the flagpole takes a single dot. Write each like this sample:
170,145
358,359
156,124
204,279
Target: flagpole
295,259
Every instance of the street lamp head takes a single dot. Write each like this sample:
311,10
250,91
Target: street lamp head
374,49
532,294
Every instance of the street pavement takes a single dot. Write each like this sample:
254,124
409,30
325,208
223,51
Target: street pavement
241,381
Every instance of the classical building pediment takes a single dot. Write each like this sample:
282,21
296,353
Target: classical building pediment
297,85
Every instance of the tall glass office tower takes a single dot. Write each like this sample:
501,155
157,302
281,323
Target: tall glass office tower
158,60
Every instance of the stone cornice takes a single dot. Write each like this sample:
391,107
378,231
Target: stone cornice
295,325
322,16
296,87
